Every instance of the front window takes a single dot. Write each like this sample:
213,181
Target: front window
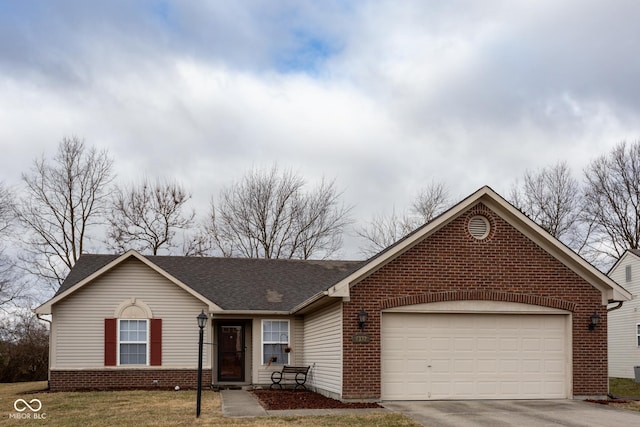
133,342
638,334
275,342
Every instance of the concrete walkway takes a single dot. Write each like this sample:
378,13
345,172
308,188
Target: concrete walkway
242,404
521,413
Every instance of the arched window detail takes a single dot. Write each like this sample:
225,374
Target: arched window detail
133,309
133,337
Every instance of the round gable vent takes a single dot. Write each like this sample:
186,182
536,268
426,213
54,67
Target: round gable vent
479,227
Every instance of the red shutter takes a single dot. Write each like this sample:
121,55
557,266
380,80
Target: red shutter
155,358
110,342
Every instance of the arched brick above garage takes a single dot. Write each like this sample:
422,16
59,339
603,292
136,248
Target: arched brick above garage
478,295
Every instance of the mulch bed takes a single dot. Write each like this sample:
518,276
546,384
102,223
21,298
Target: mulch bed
607,401
274,400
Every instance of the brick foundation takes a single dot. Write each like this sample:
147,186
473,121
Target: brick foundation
126,379
452,265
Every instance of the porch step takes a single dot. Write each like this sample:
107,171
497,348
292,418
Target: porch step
218,387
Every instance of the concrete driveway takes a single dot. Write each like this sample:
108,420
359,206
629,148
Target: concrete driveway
520,413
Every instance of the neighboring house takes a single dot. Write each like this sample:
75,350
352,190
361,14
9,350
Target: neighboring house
479,303
624,322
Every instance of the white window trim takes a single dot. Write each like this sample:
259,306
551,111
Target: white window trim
637,335
263,342
147,342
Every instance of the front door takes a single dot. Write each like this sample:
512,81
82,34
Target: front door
230,352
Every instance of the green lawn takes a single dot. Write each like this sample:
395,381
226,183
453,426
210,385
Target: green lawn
153,408
624,387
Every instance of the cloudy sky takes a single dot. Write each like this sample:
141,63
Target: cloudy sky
383,96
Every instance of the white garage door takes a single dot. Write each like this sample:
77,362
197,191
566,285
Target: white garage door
474,356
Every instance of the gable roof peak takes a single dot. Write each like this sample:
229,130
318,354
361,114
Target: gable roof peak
501,207
222,283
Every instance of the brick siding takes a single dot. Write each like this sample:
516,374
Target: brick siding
126,379
452,265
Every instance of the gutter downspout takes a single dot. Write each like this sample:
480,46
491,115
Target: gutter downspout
616,307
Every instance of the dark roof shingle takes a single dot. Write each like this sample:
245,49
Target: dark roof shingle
238,283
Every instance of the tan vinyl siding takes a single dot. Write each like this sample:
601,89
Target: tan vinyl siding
624,352
323,349
78,336
261,372
297,345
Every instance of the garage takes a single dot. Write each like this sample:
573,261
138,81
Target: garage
437,356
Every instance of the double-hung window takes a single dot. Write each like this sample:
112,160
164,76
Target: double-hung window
275,342
638,334
133,342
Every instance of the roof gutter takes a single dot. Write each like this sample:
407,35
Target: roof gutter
249,312
310,301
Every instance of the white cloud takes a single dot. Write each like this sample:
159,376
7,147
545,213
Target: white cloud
385,96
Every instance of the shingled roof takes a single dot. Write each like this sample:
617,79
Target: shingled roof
237,283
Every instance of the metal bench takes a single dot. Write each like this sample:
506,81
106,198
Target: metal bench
299,374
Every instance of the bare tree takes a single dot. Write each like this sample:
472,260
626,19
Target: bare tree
10,287
383,231
10,284
553,199
318,222
431,201
63,200
269,215
146,217
198,243
612,200
7,211
24,348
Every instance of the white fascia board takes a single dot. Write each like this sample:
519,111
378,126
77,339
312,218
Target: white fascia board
609,289
341,289
625,255
618,262
249,313
309,301
45,308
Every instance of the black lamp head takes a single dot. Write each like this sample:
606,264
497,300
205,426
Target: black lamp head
202,320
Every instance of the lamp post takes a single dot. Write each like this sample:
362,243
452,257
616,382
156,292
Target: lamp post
202,321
